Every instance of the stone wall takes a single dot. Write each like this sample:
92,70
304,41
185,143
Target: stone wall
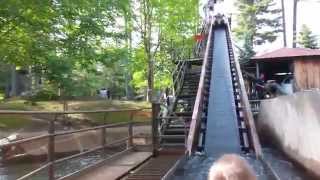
293,123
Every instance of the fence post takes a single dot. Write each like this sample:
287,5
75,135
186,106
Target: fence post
154,130
130,131
103,138
104,117
51,148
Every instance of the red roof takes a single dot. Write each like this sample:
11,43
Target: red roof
287,53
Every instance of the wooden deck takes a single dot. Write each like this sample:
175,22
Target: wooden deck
117,168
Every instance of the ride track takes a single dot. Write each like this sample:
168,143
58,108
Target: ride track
220,122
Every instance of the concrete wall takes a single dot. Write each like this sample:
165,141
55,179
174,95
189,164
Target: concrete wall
294,124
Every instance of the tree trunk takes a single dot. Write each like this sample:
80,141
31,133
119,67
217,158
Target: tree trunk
150,79
146,32
29,86
294,28
284,24
128,74
13,91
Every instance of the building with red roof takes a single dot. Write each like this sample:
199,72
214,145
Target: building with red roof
301,66
287,53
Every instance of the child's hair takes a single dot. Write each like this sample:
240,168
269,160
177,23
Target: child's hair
231,167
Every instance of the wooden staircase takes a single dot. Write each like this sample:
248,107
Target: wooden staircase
175,132
176,127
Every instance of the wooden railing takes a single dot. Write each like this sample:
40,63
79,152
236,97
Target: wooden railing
198,106
52,134
244,101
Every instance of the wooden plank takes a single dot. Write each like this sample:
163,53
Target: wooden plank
176,166
156,168
307,73
116,168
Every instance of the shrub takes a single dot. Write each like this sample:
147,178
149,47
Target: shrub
45,95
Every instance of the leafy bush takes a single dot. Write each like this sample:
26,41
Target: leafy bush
45,95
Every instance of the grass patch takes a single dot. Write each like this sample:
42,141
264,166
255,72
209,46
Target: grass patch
117,117
113,117
1,96
97,118
104,105
18,104
15,105
49,106
9,122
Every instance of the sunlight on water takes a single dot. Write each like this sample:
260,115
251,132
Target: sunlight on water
14,171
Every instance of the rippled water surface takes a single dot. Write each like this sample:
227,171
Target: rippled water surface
14,171
198,167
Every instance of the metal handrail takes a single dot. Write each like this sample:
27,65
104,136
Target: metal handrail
52,134
197,110
199,45
177,83
180,73
176,68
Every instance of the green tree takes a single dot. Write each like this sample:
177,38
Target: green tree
57,37
164,26
294,19
247,52
307,39
258,23
64,41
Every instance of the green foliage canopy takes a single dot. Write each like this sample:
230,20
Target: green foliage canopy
307,39
79,46
258,23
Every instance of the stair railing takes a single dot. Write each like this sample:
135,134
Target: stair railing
194,130
178,76
199,46
168,106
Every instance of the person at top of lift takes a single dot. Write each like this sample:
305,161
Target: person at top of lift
209,8
219,7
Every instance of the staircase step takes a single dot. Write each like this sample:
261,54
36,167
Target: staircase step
190,85
188,100
191,82
173,145
193,73
188,91
174,131
175,117
189,113
182,96
173,136
177,125
195,87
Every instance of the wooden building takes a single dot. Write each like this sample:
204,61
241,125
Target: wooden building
298,66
